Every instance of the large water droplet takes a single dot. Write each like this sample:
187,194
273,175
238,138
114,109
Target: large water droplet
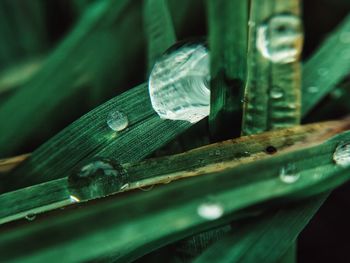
95,179
280,38
179,83
117,120
341,155
288,174
210,210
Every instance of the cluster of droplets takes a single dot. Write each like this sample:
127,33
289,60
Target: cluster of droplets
280,38
179,83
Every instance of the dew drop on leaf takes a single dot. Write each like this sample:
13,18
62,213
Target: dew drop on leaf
312,89
276,93
341,155
280,38
210,210
179,83
97,178
288,174
117,120
30,217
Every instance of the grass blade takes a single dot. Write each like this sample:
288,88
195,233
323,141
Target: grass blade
163,215
210,159
158,28
228,47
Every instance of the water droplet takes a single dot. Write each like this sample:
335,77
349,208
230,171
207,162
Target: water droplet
74,199
146,189
341,155
345,37
179,83
98,178
276,93
117,120
312,89
30,217
288,174
217,152
280,38
322,72
210,210
251,23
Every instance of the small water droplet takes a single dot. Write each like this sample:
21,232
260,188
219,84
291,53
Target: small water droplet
322,72
210,210
30,217
345,37
179,83
276,93
146,189
251,23
288,174
217,152
200,161
341,155
97,178
74,199
117,120
280,38
312,89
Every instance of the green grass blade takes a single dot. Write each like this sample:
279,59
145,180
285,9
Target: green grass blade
90,136
22,31
327,67
57,77
139,222
265,247
272,95
211,158
159,29
228,47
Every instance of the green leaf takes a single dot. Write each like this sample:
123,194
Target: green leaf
228,47
272,95
327,67
208,159
138,222
90,136
159,29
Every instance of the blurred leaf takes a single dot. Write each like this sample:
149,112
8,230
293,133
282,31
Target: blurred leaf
159,29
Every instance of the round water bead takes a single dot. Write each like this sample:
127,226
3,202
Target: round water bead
210,210
117,120
97,178
280,39
289,174
179,83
